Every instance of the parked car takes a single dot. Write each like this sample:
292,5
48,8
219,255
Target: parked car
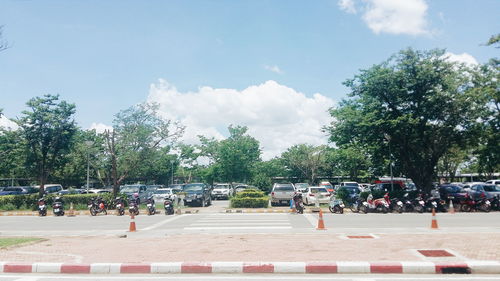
51,188
18,190
282,193
495,182
452,191
350,184
489,191
353,192
327,185
176,188
301,187
314,193
163,193
141,190
239,188
197,194
222,191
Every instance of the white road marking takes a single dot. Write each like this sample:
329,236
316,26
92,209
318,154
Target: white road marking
162,223
238,227
312,219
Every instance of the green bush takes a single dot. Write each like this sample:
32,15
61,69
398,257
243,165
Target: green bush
250,198
250,202
16,202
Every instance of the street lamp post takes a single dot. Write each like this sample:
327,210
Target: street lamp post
388,138
88,144
172,172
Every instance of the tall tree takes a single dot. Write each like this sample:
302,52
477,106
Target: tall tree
48,129
304,161
233,158
138,132
419,101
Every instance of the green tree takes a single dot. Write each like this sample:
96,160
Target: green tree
421,102
304,161
264,171
349,161
12,154
138,132
48,129
231,159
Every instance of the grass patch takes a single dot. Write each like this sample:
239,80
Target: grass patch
10,242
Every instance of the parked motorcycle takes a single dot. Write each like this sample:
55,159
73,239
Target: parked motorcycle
299,203
394,204
436,204
419,204
96,205
42,207
58,207
380,205
133,208
358,205
495,203
120,206
336,206
483,205
150,205
169,207
407,204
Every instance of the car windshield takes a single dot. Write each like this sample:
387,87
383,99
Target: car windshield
351,184
193,187
222,186
318,190
454,189
352,189
491,188
284,188
301,185
163,191
130,189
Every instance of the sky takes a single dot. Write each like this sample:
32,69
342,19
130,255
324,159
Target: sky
275,66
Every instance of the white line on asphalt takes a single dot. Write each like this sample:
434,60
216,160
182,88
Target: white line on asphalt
27,279
162,223
238,223
312,219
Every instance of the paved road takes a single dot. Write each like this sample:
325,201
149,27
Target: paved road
212,220
238,277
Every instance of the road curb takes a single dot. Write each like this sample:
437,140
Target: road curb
469,267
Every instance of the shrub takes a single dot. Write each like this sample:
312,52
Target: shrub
250,198
8,207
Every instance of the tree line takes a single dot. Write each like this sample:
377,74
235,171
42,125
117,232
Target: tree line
416,113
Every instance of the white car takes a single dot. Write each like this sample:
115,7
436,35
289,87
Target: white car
162,193
314,193
495,182
222,191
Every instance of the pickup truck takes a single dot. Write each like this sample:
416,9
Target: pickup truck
282,193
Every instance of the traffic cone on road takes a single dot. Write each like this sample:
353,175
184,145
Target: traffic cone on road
132,224
321,224
451,209
71,211
434,224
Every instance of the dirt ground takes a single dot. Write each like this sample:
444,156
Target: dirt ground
255,247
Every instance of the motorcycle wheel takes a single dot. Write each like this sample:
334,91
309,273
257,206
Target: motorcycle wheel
399,209
331,209
419,209
92,212
363,209
408,209
341,210
465,208
105,212
486,208
121,212
384,210
354,210
62,213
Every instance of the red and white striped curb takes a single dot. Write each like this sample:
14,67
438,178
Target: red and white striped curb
478,267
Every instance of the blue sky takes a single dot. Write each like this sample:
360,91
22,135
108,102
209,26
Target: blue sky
105,56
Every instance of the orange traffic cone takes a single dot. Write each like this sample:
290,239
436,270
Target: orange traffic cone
321,224
451,209
434,224
132,224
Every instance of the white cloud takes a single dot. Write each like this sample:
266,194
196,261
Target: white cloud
8,124
273,68
276,115
348,6
100,127
392,16
461,58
